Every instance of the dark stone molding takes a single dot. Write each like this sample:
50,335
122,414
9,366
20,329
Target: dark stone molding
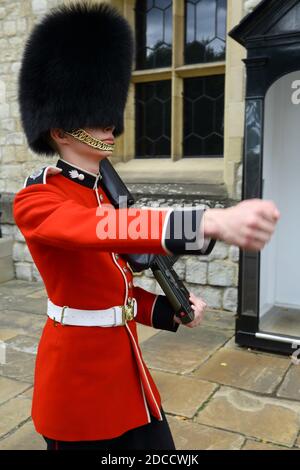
6,202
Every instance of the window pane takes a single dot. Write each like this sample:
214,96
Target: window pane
153,119
204,116
205,30
153,33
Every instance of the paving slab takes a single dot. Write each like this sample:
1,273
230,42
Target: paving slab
23,296
145,332
24,438
254,372
22,322
28,393
10,388
17,365
188,435
7,333
216,394
12,413
219,319
264,418
23,288
182,395
183,351
290,387
256,445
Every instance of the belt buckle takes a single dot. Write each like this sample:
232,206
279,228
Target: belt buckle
127,312
62,317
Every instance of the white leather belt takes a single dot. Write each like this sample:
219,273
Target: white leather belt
113,316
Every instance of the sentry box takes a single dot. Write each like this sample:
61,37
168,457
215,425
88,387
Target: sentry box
269,282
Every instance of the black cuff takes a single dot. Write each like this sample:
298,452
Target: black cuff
182,231
163,315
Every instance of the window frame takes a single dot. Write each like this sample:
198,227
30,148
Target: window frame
181,170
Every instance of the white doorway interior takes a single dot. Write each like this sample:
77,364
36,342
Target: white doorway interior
280,259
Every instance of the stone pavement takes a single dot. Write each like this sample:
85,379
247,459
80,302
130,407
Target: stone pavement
216,395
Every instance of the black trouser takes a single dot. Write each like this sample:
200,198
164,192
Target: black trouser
151,436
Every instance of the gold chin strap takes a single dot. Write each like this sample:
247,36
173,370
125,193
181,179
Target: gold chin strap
83,136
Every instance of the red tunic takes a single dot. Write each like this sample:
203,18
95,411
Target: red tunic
90,383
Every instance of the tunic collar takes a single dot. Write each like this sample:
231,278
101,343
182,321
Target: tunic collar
79,175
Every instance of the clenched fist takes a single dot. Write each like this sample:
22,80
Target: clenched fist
199,306
249,225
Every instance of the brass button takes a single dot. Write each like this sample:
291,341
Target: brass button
101,197
125,269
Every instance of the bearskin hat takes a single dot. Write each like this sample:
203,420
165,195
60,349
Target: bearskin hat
75,71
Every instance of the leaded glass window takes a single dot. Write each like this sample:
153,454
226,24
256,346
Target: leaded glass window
153,119
153,20
178,90
204,116
205,30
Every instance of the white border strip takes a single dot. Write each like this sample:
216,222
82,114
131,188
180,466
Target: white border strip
124,276
152,310
145,402
282,339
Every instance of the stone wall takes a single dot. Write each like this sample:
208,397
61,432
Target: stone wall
214,277
16,21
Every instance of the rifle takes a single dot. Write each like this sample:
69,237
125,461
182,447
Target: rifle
161,265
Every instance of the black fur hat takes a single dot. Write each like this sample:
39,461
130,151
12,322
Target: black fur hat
75,71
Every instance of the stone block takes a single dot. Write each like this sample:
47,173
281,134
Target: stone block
234,254
196,271
145,283
24,271
180,267
230,298
9,28
6,208
39,6
18,251
6,263
211,295
220,251
222,273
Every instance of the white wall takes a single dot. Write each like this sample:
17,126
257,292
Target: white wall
280,259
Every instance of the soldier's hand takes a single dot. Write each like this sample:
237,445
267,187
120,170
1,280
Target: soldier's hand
199,306
249,225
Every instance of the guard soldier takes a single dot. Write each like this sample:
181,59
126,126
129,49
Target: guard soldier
92,388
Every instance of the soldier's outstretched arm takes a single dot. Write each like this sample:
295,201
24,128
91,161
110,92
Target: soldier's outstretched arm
45,215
